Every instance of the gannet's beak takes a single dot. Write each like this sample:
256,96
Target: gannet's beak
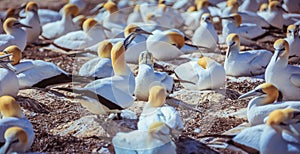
129,39
4,56
23,25
97,8
141,31
255,92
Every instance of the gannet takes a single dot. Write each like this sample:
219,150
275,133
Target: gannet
249,5
154,140
232,7
15,35
111,93
267,99
101,66
35,73
32,20
251,137
112,19
92,33
14,125
135,16
65,25
247,31
285,77
147,77
273,15
9,84
292,37
206,35
162,15
276,139
167,45
137,44
246,63
205,73
157,110
192,19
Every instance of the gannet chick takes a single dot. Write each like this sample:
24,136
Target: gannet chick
15,35
157,110
9,84
276,139
14,124
167,45
35,73
292,37
204,74
101,66
156,139
92,33
267,99
147,77
111,93
65,25
32,20
246,63
206,35
285,77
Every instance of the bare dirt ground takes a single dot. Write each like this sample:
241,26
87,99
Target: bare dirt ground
50,110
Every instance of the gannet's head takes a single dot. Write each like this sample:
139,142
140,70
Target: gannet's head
267,90
16,140
283,116
104,49
9,107
10,24
111,7
118,58
11,12
16,54
88,24
263,7
137,8
133,28
206,17
202,4
275,6
157,96
292,31
281,49
146,58
79,20
31,6
191,9
71,10
175,39
203,62
235,18
232,41
233,4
